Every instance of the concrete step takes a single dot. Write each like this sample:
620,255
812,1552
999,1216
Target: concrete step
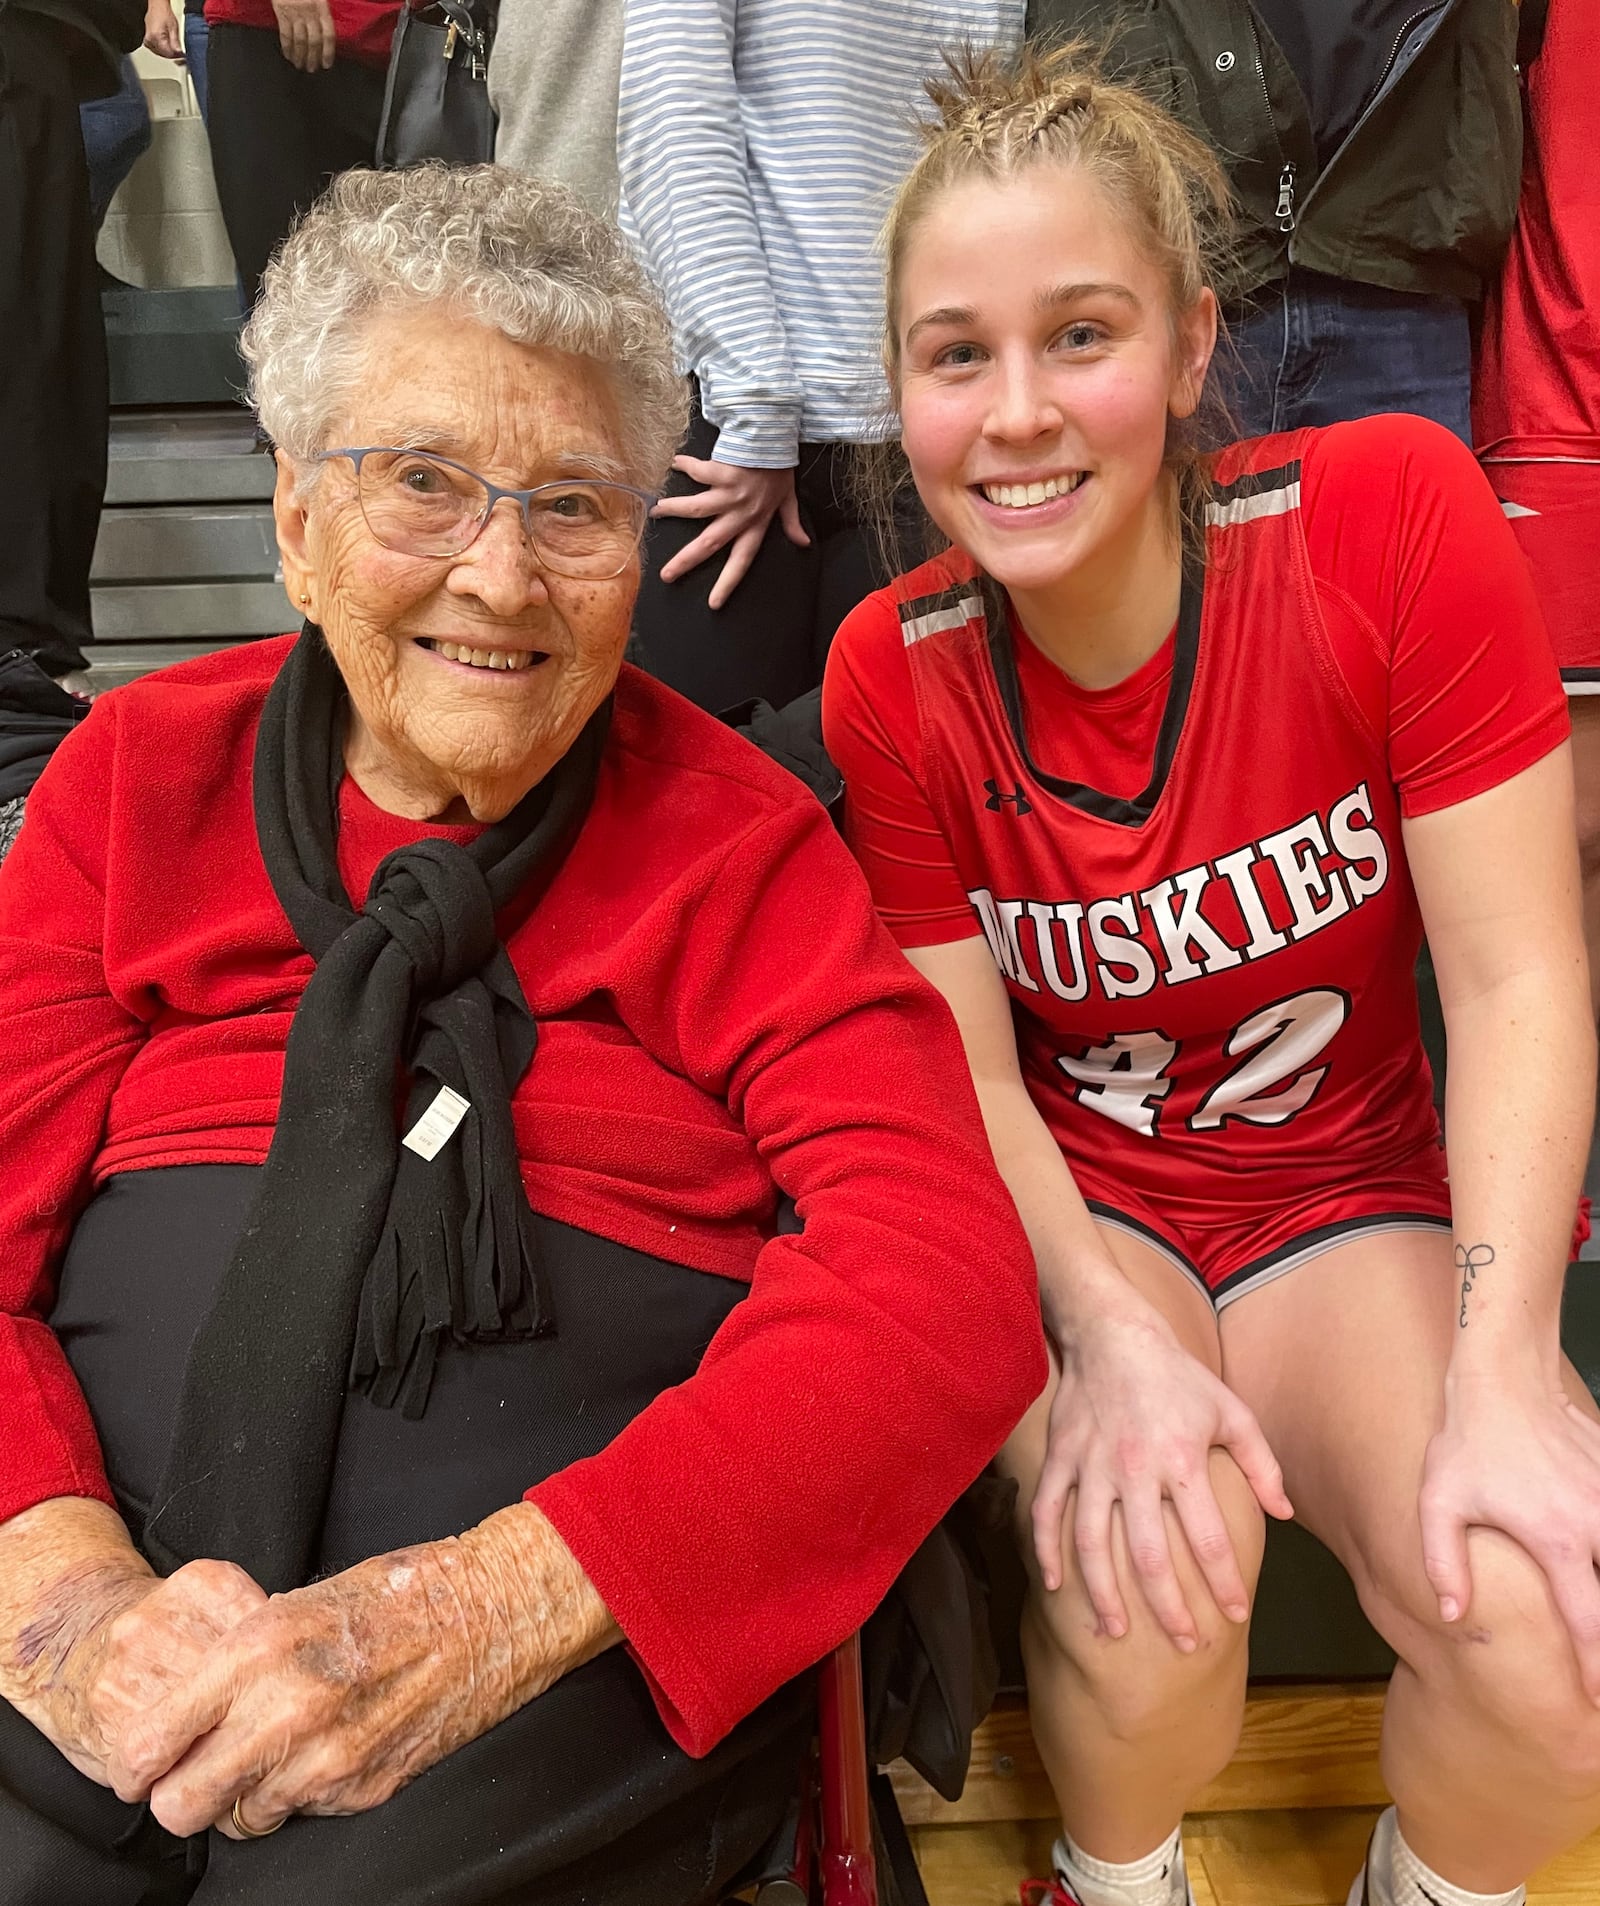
173,347
207,612
197,454
186,543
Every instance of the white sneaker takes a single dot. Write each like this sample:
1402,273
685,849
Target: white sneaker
1056,1892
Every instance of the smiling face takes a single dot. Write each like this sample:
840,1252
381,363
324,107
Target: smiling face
1040,360
470,675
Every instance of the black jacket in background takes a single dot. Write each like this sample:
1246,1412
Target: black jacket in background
1422,194
98,33
35,716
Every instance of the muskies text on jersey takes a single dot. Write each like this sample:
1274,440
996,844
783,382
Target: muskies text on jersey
1234,908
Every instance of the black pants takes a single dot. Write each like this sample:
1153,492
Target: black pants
53,385
279,135
771,637
578,1799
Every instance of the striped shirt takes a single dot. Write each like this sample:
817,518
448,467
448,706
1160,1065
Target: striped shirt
760,143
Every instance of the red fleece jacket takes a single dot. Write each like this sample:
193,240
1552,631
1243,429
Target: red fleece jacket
720,1013
363,29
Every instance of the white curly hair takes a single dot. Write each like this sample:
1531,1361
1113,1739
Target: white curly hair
517,254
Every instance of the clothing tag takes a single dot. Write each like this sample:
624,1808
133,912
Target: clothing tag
434,1130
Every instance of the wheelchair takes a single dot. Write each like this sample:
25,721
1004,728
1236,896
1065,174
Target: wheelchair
843,1843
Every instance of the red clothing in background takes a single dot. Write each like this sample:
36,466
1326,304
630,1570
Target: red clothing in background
364,28
1536,392
718,1010
1194,883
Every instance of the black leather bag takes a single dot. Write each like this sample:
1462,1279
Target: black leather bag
436,101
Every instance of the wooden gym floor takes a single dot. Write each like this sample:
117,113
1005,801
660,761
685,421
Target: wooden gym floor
1286,1825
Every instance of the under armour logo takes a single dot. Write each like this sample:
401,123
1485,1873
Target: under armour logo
1018,802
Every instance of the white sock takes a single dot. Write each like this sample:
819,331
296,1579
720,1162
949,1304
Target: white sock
1394,1876
1156,1880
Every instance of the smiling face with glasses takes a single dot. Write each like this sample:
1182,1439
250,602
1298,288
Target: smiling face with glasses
470,549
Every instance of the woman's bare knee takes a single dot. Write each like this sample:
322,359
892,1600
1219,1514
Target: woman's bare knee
1141,1682
1508,1662
1139,1685
1586,779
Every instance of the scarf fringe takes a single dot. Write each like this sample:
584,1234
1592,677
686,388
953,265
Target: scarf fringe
414,1299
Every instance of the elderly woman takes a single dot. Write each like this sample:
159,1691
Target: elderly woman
409,1029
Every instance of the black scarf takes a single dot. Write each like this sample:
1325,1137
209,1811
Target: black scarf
359,1255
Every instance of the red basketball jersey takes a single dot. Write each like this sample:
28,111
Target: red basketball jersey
1211,976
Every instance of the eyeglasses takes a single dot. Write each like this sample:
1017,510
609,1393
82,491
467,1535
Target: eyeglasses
422,505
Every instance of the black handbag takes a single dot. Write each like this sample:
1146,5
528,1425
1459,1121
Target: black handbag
436,99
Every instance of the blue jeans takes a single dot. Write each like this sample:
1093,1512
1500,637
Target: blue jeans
1319,350
194,57
116,131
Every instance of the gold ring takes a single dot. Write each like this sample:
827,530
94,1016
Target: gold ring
253,1833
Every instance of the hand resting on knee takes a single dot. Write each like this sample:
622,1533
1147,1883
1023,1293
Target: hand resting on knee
1133,1422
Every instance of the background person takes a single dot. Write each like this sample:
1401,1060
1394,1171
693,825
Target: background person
553,76
1536,400
478,1407
1158,775
53,380
758,142
163,35
1373,148
296,90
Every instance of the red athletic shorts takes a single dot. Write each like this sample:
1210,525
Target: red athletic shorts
1554,512
1229,1249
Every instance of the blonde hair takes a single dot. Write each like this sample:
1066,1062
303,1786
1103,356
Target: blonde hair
995,118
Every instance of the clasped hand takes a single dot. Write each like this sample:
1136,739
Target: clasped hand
201,1690
111,1644
1132,1425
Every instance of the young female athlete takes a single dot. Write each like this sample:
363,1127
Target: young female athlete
1157,775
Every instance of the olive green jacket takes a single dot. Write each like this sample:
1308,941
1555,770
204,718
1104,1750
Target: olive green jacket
1422,194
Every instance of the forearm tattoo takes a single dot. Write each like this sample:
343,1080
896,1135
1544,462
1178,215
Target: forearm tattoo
1470,1259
